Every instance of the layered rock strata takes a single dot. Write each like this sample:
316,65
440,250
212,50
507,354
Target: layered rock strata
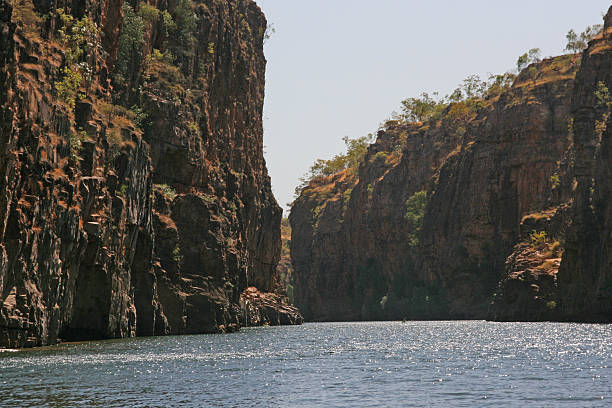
360,249
585,274
134,194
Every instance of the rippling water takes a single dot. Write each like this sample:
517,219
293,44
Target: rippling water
368,364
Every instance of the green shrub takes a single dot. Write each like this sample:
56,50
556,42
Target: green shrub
81,39
379,157
193,128
122,190
415,212
182,37
370,191
208,198
67,89
168,25
602,95
148,12
176,254
555,180
165,57
166,191
76,141
537,238
129,52
604,101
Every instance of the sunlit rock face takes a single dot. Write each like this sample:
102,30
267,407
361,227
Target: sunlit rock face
477,171
132,202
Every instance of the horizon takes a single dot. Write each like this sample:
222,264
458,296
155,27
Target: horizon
341,80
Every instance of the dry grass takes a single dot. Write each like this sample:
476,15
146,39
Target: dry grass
552,250
25,15
548,265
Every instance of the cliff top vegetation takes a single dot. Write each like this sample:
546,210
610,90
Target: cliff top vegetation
465,101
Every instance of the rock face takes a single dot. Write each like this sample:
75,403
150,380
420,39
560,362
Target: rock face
528,288
423,230
482,194
580,288
133,201
585,275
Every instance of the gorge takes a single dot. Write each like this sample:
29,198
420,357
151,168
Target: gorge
135,198
495,206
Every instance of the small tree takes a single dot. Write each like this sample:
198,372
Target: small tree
500,83
129,53
579,42
530,57
183,35
422,108
415,212
149,13
474,87
67,89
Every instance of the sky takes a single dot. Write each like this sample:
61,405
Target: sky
341,67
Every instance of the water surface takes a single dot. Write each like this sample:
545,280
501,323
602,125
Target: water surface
369,364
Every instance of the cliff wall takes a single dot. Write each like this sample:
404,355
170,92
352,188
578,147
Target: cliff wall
423,229
134,194
585,277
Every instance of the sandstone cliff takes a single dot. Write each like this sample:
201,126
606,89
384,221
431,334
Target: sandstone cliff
134,194
424,228
540,284
585,274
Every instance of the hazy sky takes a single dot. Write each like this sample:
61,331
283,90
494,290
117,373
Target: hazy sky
340,67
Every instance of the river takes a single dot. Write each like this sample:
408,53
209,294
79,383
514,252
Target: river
366,364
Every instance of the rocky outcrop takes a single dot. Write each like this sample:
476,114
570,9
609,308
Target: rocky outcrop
423,230
135,198
528,289
269,309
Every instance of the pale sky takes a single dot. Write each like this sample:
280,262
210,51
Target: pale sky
341,67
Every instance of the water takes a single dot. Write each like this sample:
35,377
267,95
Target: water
370,364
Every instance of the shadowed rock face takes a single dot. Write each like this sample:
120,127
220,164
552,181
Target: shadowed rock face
355,254
90,245
580,288
585,277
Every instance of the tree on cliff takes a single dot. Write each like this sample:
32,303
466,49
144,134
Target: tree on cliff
356,149
415,212
129,53
421,109
578,42
530,57
185,24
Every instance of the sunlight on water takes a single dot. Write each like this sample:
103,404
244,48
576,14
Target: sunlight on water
373,364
